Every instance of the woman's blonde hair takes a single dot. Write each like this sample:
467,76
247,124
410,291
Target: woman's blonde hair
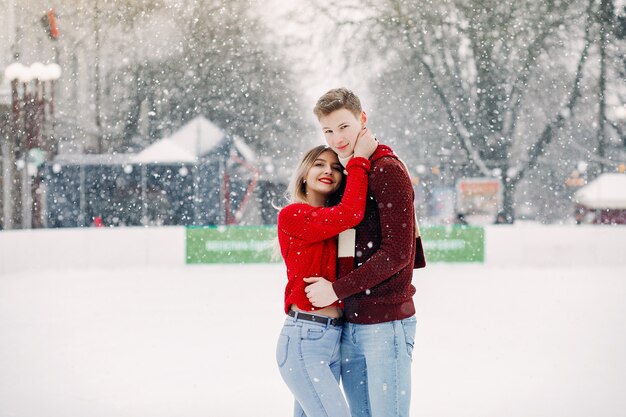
296,190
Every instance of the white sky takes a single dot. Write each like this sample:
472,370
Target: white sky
312,55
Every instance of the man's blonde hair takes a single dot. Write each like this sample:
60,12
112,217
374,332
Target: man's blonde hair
336,99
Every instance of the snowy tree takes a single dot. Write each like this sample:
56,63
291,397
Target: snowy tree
217,64
94,36
137,70
490,83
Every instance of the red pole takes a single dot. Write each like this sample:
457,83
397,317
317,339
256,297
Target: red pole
226,198
251,185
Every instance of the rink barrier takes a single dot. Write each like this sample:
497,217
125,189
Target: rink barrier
519,245
454,243
91,247
255,244
229,244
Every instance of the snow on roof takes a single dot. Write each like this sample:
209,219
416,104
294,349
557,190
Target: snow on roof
187,144
164,151
92,159
244,149
608,191
198,136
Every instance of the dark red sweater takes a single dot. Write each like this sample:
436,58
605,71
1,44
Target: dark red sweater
379,289
308,235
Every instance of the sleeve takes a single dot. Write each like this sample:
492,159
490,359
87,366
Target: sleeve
315,224
393,192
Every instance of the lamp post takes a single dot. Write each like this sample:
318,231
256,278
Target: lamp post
619,113
29,138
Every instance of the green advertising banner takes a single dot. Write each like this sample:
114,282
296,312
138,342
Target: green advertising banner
230,244
454,243
255,244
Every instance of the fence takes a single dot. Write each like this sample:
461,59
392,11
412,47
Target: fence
506,246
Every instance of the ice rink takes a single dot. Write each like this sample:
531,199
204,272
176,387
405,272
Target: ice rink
198,341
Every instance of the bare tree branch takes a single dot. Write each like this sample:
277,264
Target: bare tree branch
537,149
518,88
621,132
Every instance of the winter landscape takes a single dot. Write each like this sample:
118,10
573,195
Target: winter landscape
528,94
144,143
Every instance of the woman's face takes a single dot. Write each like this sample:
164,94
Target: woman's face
324,176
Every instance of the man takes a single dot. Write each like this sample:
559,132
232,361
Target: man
375,289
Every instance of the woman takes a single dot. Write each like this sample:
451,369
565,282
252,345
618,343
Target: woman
308,347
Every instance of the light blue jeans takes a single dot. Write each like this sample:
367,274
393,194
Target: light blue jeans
376,367
308,357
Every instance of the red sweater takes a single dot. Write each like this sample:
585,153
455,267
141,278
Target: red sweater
308,235
379,289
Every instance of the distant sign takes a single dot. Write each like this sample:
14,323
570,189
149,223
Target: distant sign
255,244
454,244
479,199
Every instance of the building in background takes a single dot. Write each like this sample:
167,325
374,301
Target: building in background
197,176
602,201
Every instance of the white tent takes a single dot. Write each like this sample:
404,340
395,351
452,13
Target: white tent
608,191
187,144
164,151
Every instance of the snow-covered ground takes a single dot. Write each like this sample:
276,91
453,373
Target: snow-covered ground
195,341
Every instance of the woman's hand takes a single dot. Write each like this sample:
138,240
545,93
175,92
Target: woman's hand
320,291
366,144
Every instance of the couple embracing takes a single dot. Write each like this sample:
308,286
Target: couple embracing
349,240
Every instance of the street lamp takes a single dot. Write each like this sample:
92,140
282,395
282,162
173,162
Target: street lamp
29,138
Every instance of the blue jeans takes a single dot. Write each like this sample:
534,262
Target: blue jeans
308,357
376,367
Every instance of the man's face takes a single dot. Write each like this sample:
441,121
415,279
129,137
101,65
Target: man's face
341,129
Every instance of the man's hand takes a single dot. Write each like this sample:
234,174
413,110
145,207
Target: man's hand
366,144
320,291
